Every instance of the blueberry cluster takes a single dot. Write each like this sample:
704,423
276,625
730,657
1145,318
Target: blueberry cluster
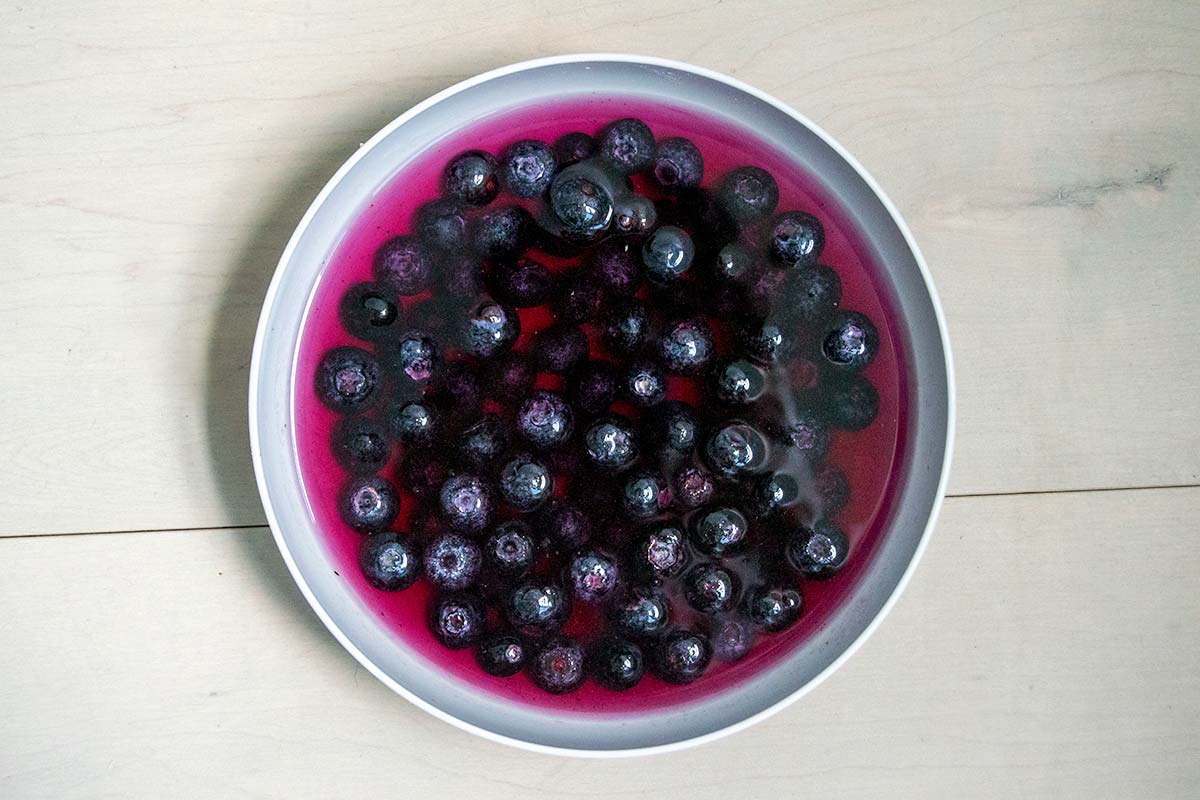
676,483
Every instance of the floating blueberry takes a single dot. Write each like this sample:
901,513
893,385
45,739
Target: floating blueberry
737,382
773,492
559,348
694,486
538,608
644,495
773,608
736,449
403,265
668,254
709,589
442,226
501,654
510,376
525,482
545,420
617,664
571,148
748,194
389,561
626,327
558,666
413,423
581,205
641,613
720,530
368,310
527,168
593,576
593,386
813,293
565,525
681,657
482,442
614,265
511,550
850,340
819,552
731,639
416,355
523,283
578,299
678,164
369,504
490,328
796,239
503,233
471,178
627,146
453,561
347,379
852,404
360,444
686,346
644,384
457,620
834,490
466,503
611,443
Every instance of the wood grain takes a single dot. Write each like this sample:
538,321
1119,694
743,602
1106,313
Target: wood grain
1046,648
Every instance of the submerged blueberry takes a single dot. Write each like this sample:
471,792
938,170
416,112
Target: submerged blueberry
686,346
611,443
852,404
614,265
523,283
731,639
545,420
593,386
461,277
482,442
413,423
360,444
641,612
389,561
627,146
423,473
403,265
490,328
767,340
471,178
717,531
773,492
347,379
559,348
466,503
442,226
850,340
503,233
678,164
672,425
368,311
593,576
571,148
369,504
796,239
668,254
748,194
457,620
527,168
510,376
525,482
626,327
501,654
709,589
537,608
578,299
681,657
617,664
773,608
813,294
819,552
834,490
734,262
511,550
453,561
806,432
558,666
564,525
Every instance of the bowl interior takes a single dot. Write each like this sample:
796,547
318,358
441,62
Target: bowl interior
317,237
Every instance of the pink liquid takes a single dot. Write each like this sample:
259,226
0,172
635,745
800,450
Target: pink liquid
870,458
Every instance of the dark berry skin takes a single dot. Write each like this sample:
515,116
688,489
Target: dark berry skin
564,525
369,504
460,276
627,146
471,178
423,473
678,164
765,292
525,483
734,262
559,348
360,444
592,576
489,329
693,486
442,226
510,376
577,299
581,205
458,389
466,503
389,561
481,443
503,233
731,639
527,168
571,148
611,443
614,265
634,214
644,384
806,433
849,340
834,490
416,355
698,211
852,404
368,311
686,347
617,664
404,265
593,386
538,608
819,552
736,450
681,657
795,239
748,194
813,294
772,493
672,425
709,589
668,254
641,613
767,341
457,620
660,551
453,561
721,530
737,382
774,609
347,379
501,654
558,666
625,328
523,283
545,420
414,424
644,495
511,550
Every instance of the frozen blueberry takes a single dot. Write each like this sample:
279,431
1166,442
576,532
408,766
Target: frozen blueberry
360,444
482,442
423,472
694,486
503,233
593,576
852,404
368,310
806,433
458,388
644,495
527,168
850,340
511,550
672,425
490,328
748,194
593,386
819,552
525,482
681,657
768,340
558,666
813,294
510,376
709,589
678,164
581,205
413,423
369,504
403,265
641,613
614,265
617,664
737,382
457,620
565,525
734,262
668,254
389,561
501,654
537,608
833,488
731,639
772,492
578,299
559,348
442,226
644,384
544,419
471,177
461,277
416,355
571,148
453,561
634,214
796,239
773,608
611,443
686,346
626,328
523,283
347,379
736,449
720,530
627,146
466,503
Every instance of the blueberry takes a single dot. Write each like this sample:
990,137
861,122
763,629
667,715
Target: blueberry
644,495
686,346
611,443
768,340
806,433
773,492
593,386
453,561
458,388
698,211
510,376
852,404
416,355
442,226
461,277
593,576
426,524
471,177
796,239
403,265
581,205
525,483
681,657
765,291
501,654
545,420
678,164
849,340
748,194
737,382
559,348
820,552
673,426
660,551
693,487
360,444
527,168
578,299
644,384
709,589
368,310
511,550
614,265
565,525
736,449
457,620
734,262
731,639
423,473
558,666
466,503
720,530
523,283
571,148
347,379
634,214
641,613
490,328
668,254
369,504
627,146
482,442
389,561
617,664
413,423
538,608
503,233
773,608
626,327
813,294
834,490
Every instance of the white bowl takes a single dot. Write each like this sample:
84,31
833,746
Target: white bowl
918,496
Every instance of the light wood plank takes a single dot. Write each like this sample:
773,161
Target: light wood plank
1046,648
155,161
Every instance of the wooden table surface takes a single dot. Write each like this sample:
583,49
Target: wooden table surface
153,165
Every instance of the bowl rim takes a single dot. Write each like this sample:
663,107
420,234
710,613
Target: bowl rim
256,364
